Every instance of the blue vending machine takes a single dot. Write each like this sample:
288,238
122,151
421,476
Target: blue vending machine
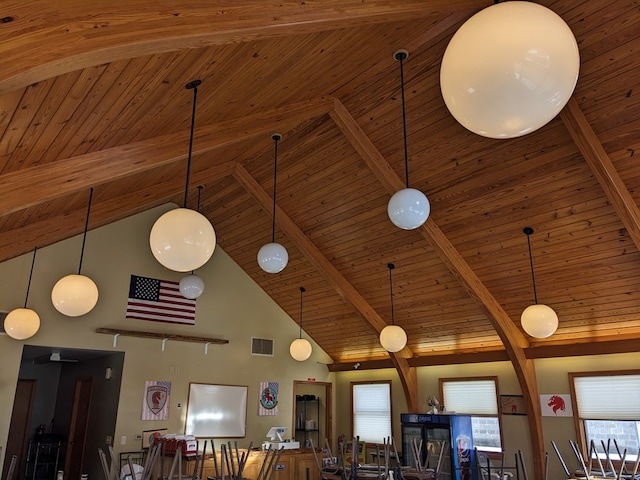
437,431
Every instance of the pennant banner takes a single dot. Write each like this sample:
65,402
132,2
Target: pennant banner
268,400
155,404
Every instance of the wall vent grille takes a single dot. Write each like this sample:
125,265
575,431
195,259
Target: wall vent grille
262,346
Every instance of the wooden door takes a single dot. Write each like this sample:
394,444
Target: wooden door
19,427
78,429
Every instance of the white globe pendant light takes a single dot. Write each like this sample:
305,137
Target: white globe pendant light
273,257
509,69
23,323
392,337
408,208
300,348
191,286
182,239
538,320
76,294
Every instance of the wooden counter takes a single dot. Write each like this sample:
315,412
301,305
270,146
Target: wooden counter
292,465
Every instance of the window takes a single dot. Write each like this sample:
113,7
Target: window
608,412
477,397
371,411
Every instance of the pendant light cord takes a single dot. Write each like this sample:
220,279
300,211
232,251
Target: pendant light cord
191,85
302,290
275,137
86,226
400,56
528,231
33,261
391,267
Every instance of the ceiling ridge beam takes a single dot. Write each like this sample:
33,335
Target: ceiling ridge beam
73,35
602,167
94,168
513,339
333,276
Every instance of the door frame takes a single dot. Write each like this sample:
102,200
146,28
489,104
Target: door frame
328,417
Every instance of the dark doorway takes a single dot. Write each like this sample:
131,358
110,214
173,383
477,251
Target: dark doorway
19,427
63,428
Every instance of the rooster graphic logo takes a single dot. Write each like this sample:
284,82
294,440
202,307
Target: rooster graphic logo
556,403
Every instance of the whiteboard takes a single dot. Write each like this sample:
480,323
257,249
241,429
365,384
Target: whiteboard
216,410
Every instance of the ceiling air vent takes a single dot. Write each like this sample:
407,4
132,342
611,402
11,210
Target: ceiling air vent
262,346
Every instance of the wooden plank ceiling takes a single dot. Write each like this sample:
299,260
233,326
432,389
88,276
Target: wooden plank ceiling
94,96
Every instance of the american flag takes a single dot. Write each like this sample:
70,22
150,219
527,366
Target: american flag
159,300
268,401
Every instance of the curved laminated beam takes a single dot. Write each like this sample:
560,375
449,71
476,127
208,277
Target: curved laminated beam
43,39
512,338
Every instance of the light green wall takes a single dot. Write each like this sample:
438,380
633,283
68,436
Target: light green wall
233,307
552,376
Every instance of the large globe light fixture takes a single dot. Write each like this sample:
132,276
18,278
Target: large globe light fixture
392,337
191,286
182,239
74,295
300,348
509,69
538,320
408,208
23,323
273,257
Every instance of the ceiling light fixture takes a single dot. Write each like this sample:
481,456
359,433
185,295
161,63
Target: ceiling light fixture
392,337
76,295
273,257
300,348
509,69
192,286
183,239
408,208
538,320
23,323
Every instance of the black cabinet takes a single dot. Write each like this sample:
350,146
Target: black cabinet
307,427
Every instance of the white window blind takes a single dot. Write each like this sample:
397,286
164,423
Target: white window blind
476,397
372,411
608,397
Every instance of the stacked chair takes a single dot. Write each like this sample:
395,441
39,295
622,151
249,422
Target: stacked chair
422,469
231,466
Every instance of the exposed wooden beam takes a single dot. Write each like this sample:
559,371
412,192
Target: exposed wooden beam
602,168
162,336
50,39
95,168
512,338
340,284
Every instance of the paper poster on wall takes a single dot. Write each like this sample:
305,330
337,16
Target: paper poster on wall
557,405
155,404
512,405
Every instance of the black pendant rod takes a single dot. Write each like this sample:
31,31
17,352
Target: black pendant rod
400,56
391,266
276,137
302,290
86,226
191,86
528,231
33,261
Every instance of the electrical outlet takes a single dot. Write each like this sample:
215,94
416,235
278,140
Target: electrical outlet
123,440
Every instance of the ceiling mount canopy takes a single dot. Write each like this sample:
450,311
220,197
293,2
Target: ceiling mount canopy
408,208
392,337
538,320
76,295
192,286
273,257
183,239
509,69
23,323
300,348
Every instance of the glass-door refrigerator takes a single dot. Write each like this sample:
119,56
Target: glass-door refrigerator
434,431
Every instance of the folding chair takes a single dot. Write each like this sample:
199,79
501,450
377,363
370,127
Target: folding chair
12,467
327,472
